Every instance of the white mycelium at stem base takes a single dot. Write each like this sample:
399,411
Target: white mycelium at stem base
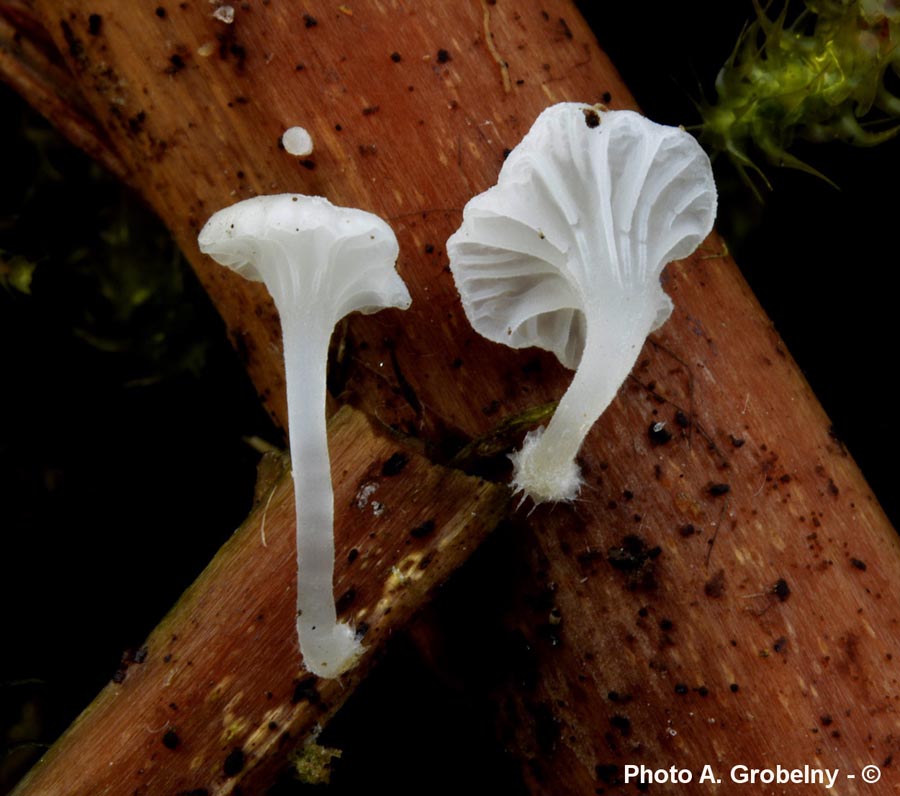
565,253
319,263
545,467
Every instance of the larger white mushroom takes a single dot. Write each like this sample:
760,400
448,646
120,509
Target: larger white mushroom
319,263
565,253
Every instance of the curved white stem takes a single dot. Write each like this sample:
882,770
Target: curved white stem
328,647
545,467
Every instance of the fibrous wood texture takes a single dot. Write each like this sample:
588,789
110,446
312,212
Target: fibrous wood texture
722,592
217,698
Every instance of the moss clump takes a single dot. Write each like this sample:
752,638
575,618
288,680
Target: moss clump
823,76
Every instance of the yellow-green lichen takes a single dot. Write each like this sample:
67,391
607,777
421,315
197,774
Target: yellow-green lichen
312,763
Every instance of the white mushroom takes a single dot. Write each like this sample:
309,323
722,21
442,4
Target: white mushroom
565,253
319,263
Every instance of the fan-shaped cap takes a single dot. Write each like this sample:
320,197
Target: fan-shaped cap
587,211
306,250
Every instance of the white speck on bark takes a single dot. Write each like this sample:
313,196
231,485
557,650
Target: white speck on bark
297,141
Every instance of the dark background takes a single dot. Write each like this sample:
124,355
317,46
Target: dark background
123,464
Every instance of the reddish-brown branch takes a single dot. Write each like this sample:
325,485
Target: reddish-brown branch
31,64
217,697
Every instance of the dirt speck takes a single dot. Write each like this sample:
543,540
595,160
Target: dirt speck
608,774
75,45
621,723
423,530
635,559
394,464
658,433
129,658
781,589
714,588
176,64
305,691
234,762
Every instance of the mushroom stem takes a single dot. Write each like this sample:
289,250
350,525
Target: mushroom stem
545,468
328,647
319,263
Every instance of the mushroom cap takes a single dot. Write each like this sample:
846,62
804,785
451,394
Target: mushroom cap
586,212
309,252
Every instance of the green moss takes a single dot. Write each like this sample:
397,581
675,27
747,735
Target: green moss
823,76
16,273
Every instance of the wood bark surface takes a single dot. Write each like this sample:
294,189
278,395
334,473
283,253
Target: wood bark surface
726,596
216,699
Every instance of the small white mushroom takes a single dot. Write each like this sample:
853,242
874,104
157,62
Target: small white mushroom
297,141
319,263
565,253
